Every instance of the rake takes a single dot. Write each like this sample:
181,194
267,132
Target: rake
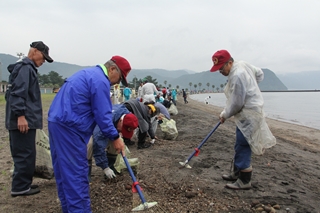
144,205
197,150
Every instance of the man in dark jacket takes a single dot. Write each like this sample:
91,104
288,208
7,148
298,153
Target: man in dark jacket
24,116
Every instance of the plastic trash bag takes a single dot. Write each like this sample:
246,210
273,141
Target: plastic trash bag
44,168
169,129
173,110
120,164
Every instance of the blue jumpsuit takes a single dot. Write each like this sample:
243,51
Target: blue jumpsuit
82,103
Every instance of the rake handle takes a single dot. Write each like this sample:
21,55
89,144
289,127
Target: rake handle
137,186
203,141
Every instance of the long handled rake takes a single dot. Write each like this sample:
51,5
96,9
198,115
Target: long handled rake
144,205
197,150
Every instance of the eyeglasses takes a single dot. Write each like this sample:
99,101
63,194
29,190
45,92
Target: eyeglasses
222,68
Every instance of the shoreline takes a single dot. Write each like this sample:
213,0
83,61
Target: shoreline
304,136
268,115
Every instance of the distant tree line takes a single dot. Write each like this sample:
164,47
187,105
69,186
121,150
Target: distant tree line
135,83
51,80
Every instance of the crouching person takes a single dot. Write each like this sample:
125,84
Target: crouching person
125,122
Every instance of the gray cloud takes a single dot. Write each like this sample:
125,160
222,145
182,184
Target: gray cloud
279,35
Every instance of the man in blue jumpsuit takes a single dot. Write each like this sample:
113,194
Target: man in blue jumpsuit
82,103
126,123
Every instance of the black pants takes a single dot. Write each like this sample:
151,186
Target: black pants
142,138
23,151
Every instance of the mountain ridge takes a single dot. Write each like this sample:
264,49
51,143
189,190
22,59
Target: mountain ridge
180,77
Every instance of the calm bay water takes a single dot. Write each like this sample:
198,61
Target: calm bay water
294,107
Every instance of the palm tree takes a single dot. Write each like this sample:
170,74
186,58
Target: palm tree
213,86
195,86
165,83
221,85
190,84
199,86
169,85
177,87
208,85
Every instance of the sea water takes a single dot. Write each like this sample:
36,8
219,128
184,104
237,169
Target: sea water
301,108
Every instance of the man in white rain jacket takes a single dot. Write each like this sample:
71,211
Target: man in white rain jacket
245,103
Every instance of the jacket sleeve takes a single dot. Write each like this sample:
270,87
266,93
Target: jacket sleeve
102,107
150,130
19,91
237,97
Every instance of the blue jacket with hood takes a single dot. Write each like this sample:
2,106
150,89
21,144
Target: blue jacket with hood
100,142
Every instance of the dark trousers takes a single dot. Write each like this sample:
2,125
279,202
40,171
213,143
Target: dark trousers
242,158
142,138
185,100
23,152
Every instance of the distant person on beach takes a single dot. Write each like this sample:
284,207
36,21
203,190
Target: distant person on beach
139,96
184,95
149,91
24,116
126,93
82,103
245,103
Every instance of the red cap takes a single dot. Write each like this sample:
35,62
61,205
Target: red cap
219,59
124,67
129,124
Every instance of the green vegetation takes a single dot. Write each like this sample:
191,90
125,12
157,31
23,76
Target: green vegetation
2,99
46,98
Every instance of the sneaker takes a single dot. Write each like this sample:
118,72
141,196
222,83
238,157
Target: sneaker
143,146
30,192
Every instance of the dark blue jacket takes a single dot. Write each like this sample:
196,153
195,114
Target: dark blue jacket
23,95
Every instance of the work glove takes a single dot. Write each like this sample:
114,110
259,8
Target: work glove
109,173
152,141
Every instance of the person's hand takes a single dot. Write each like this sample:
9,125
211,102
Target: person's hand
222,120
109,173
119,145
23,124
152,141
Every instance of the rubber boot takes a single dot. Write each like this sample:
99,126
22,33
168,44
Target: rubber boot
234,173
243,182
90,169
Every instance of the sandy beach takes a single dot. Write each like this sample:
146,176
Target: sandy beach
287,175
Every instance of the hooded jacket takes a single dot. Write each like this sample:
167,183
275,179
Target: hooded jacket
23,95
141,112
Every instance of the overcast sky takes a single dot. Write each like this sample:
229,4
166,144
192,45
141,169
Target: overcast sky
281,35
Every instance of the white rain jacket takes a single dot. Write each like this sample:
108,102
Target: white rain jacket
148,92
245,103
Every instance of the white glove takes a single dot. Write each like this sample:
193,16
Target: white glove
109,173
152,141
